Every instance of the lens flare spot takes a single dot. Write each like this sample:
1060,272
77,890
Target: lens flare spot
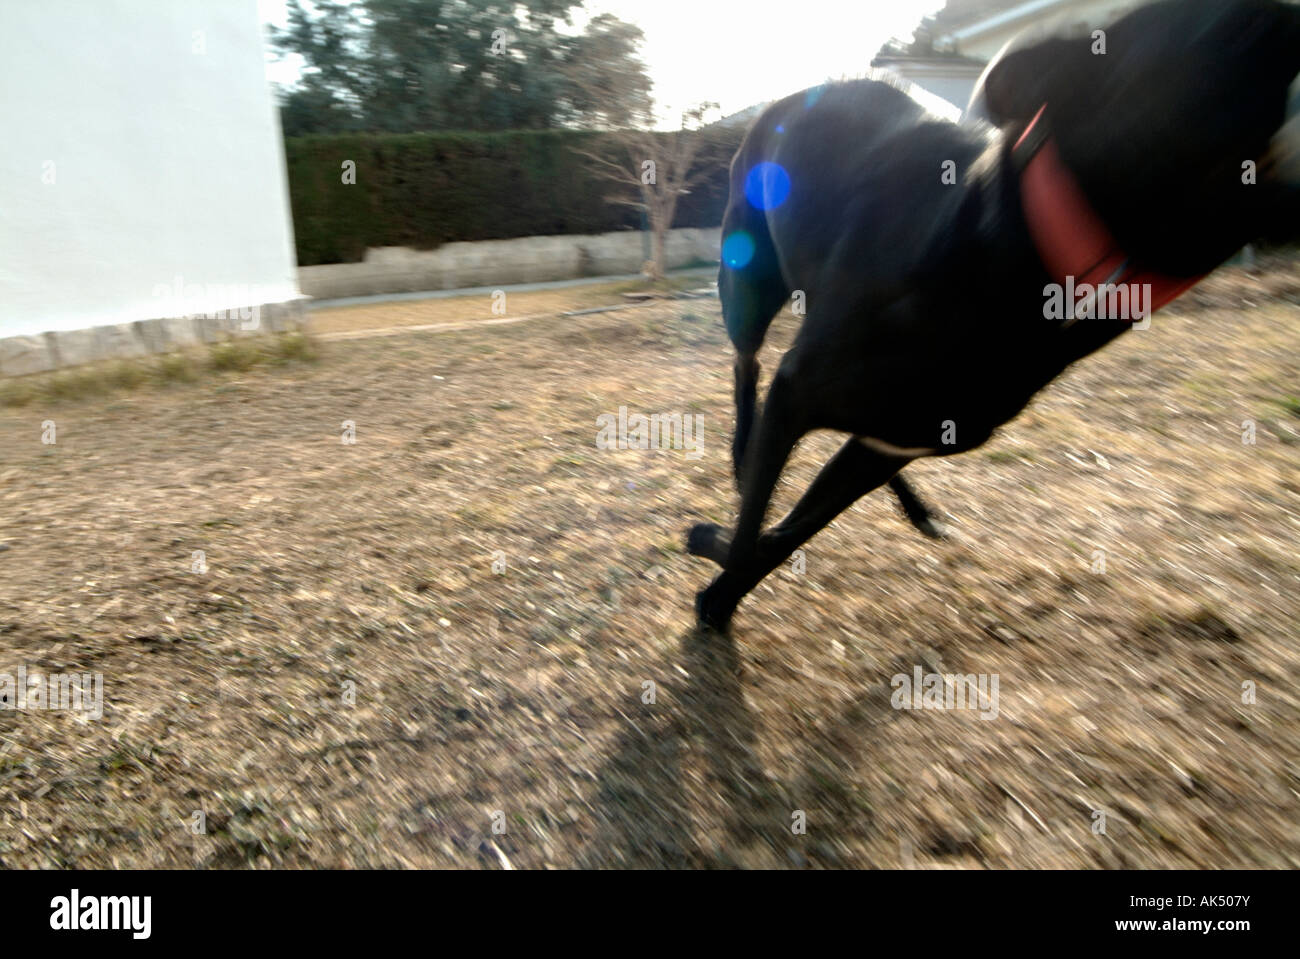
738,250
766,186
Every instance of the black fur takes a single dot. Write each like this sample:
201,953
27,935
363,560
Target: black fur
925,300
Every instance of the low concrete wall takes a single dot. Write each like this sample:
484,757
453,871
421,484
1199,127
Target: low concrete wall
531,259
42,352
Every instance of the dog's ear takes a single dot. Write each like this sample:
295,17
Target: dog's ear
1021,78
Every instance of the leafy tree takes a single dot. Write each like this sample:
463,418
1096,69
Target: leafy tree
331,92
406,65
606,86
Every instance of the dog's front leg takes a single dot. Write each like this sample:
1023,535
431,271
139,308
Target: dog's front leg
780,426
850,474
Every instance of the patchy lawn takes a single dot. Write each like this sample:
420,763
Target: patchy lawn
343,680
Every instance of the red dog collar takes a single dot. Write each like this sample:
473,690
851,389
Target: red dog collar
1071,239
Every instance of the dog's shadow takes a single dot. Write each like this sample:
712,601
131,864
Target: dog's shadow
698,728
684,786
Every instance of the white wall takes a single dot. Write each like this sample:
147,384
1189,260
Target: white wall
951,83
1079,14
139,147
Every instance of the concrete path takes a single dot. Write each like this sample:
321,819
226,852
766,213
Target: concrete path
448,327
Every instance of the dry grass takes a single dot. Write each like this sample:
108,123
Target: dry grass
331,564
97,381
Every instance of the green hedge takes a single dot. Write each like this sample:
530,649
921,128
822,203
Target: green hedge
426,189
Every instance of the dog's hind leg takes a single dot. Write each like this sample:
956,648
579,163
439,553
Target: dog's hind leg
918,513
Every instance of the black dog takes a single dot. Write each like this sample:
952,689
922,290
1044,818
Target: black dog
926,249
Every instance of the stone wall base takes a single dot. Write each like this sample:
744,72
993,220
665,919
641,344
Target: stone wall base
43,352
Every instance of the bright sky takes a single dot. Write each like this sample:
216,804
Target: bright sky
735,52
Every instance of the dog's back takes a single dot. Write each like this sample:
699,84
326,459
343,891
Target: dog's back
833,189
847,163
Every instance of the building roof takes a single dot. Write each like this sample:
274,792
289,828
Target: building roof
742,118
1000,20
956,14
954,60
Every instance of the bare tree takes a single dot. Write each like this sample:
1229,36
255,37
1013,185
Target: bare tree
660,169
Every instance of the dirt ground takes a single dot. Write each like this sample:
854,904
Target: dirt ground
349,682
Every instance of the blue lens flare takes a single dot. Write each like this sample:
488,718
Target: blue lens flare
738,250
766,186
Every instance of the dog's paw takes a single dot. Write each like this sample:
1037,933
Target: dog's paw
934,529
714,609
703,538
